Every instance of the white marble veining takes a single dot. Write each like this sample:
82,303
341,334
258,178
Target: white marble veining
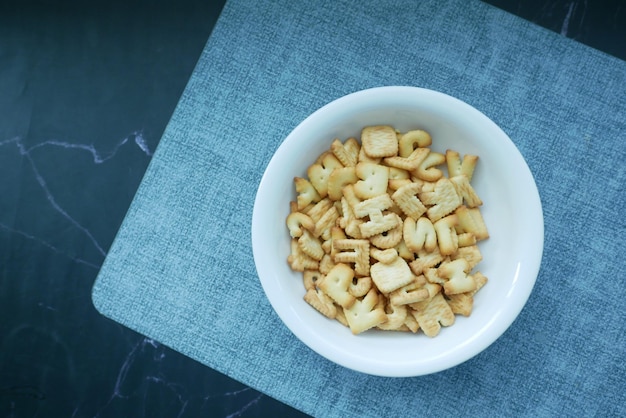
98,156
573,8
244,398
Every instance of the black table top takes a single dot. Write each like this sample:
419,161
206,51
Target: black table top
85,95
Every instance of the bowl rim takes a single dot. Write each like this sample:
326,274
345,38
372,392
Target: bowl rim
530,268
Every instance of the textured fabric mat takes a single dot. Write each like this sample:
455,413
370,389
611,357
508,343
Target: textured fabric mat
181,269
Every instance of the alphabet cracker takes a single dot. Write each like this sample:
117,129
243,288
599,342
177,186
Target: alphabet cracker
386,233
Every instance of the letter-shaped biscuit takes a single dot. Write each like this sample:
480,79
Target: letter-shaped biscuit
341,318
389,239
336,233
350,196
355,251
471,220
456,168
461,303
396,315
410,163
384,256
365,314
411,293
412,140
470,253
338,179
480,280
427,170
310,278
336,283
379,141
398,174
432,276
311,246
326,264
466,191
326,222
296,221
347,153
327,244
374,205
349,222
457,278
398,178
419,234
392,276
374,180
320,172
425,260
363,157
318,210
427,186
446,235
406,199
433,313
360,286
306,192
379,223
444,199
404,251
466,239
298,260
321,302
411,323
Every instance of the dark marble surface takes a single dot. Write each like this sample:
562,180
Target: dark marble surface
85,95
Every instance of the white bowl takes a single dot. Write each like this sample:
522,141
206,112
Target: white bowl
511,209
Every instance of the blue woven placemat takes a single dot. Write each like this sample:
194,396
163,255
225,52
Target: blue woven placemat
181,269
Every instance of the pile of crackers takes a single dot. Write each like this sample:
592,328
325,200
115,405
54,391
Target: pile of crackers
386,239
